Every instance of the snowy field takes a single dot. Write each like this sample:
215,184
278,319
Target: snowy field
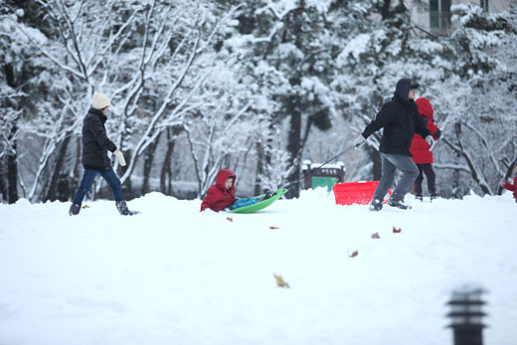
173,275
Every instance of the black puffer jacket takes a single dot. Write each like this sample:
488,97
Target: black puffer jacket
95,141
400,120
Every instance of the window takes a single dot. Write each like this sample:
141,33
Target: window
439,14
484,5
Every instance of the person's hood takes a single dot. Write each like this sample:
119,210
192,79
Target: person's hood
424,107
402,89
222,176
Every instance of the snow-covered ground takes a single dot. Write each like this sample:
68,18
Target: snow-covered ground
172,275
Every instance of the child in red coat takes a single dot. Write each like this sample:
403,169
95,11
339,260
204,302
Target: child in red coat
221,195
512,187
422,155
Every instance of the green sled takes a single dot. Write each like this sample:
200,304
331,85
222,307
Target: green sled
260,205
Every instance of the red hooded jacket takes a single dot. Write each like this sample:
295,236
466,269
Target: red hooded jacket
419,147
217,197
512,187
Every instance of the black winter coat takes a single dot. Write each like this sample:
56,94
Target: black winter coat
95,141
400,120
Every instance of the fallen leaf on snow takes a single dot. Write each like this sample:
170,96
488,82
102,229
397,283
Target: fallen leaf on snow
354,254
396,231
376,235
280,281
230,219
274,227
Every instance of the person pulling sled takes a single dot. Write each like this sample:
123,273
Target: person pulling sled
400,120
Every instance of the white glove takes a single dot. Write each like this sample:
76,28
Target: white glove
120,157
359,141
429,139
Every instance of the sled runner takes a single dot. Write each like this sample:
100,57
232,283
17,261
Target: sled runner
261,204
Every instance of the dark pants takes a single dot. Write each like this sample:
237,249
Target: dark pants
426,169
87,182
390,163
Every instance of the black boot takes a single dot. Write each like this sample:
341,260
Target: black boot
74,209
419,197
375,205
266,196
123,210
399,204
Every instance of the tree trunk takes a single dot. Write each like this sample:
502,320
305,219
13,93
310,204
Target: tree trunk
166,172
3,181
12,159
76,173
260,166
294,146
385,11
57,178
12,174
148,165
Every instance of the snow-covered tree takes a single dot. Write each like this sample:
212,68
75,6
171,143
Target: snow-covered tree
143,55
464,76
288,55
70,52
19,84
480,126
199,85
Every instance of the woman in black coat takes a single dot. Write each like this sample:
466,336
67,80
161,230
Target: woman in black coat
95,156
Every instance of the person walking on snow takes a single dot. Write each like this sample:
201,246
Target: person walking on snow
400,120
422,156
512,187
95,156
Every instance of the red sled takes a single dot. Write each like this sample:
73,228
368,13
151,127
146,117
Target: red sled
359,193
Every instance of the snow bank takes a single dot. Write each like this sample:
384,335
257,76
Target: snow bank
173,275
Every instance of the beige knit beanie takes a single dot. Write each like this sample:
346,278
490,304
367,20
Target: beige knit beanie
100,101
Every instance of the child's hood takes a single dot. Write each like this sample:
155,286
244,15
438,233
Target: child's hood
222,176
424,107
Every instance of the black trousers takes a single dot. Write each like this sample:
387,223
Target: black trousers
426,169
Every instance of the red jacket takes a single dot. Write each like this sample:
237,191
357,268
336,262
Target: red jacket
512,187
419,147
217,197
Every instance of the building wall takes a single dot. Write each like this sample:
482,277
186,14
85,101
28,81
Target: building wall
422,17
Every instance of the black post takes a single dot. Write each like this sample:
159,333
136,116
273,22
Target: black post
466,316
306,173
